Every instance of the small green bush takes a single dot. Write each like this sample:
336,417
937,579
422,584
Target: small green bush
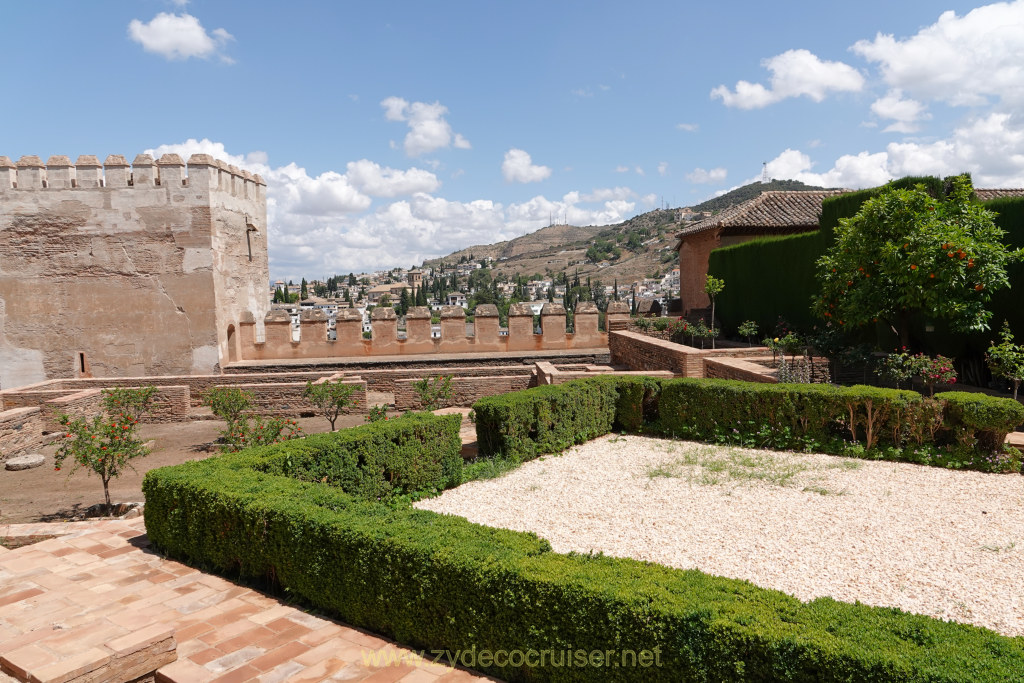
984,419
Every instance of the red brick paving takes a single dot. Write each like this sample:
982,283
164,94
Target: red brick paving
95,597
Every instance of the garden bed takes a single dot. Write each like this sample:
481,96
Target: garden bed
922,539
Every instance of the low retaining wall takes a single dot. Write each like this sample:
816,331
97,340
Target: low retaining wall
549,374
466,390
197,385
21,430
640,352
285,398
737,368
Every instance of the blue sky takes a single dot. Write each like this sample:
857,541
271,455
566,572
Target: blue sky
390,132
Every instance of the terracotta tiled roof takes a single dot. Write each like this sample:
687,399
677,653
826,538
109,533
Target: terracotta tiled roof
985,195
776,209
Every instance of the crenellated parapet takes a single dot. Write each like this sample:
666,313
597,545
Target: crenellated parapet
59,173
313,342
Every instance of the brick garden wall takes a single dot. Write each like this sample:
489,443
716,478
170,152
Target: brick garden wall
735,368
285,398
641,352
465,390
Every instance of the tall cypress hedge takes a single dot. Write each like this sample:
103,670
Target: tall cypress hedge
773,277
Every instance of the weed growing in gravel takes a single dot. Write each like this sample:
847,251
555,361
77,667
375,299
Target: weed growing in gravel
1000,548
710,466
822,491
488,468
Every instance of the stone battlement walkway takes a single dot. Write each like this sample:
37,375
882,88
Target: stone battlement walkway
96,603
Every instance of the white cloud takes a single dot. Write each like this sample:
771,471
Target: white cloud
663,168
959,60
639,170
604,194
794,73
905,113
518,167
622,169
688,127
376,181
851,171
331,223
428,129
699,175
179,37
989,147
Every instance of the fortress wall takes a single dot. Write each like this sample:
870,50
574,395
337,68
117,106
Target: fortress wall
115,269
278,343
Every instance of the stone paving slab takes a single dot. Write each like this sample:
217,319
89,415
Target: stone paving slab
94,603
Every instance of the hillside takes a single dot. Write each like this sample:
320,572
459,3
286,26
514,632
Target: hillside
746,192
640,247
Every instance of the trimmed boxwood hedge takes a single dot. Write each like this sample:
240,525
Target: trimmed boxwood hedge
439,582
545,419
956,429
416,452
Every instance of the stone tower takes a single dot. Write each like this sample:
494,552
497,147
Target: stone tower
118,270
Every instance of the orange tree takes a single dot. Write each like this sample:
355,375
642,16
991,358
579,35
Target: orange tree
907,253
106,444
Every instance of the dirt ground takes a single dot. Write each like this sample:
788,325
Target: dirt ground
44,495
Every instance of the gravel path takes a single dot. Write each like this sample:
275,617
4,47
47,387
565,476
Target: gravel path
927,540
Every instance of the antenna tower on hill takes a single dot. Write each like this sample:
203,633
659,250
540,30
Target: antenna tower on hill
764,172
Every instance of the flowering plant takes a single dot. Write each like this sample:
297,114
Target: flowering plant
938,370
107,443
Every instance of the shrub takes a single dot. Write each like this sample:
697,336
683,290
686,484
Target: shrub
377,413
106,444
438,581
228,403
981,420
330,398
434,392
242,429
1006,359
374,461
748,329
545,419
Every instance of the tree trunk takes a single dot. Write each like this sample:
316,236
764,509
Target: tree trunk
106,494
712,321
903,329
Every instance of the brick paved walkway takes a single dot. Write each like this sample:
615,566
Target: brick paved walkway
97,601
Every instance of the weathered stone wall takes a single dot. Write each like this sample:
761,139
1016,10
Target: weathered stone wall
84,404
21,430
285,398
119,270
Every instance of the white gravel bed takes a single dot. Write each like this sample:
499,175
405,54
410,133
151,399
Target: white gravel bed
923,539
